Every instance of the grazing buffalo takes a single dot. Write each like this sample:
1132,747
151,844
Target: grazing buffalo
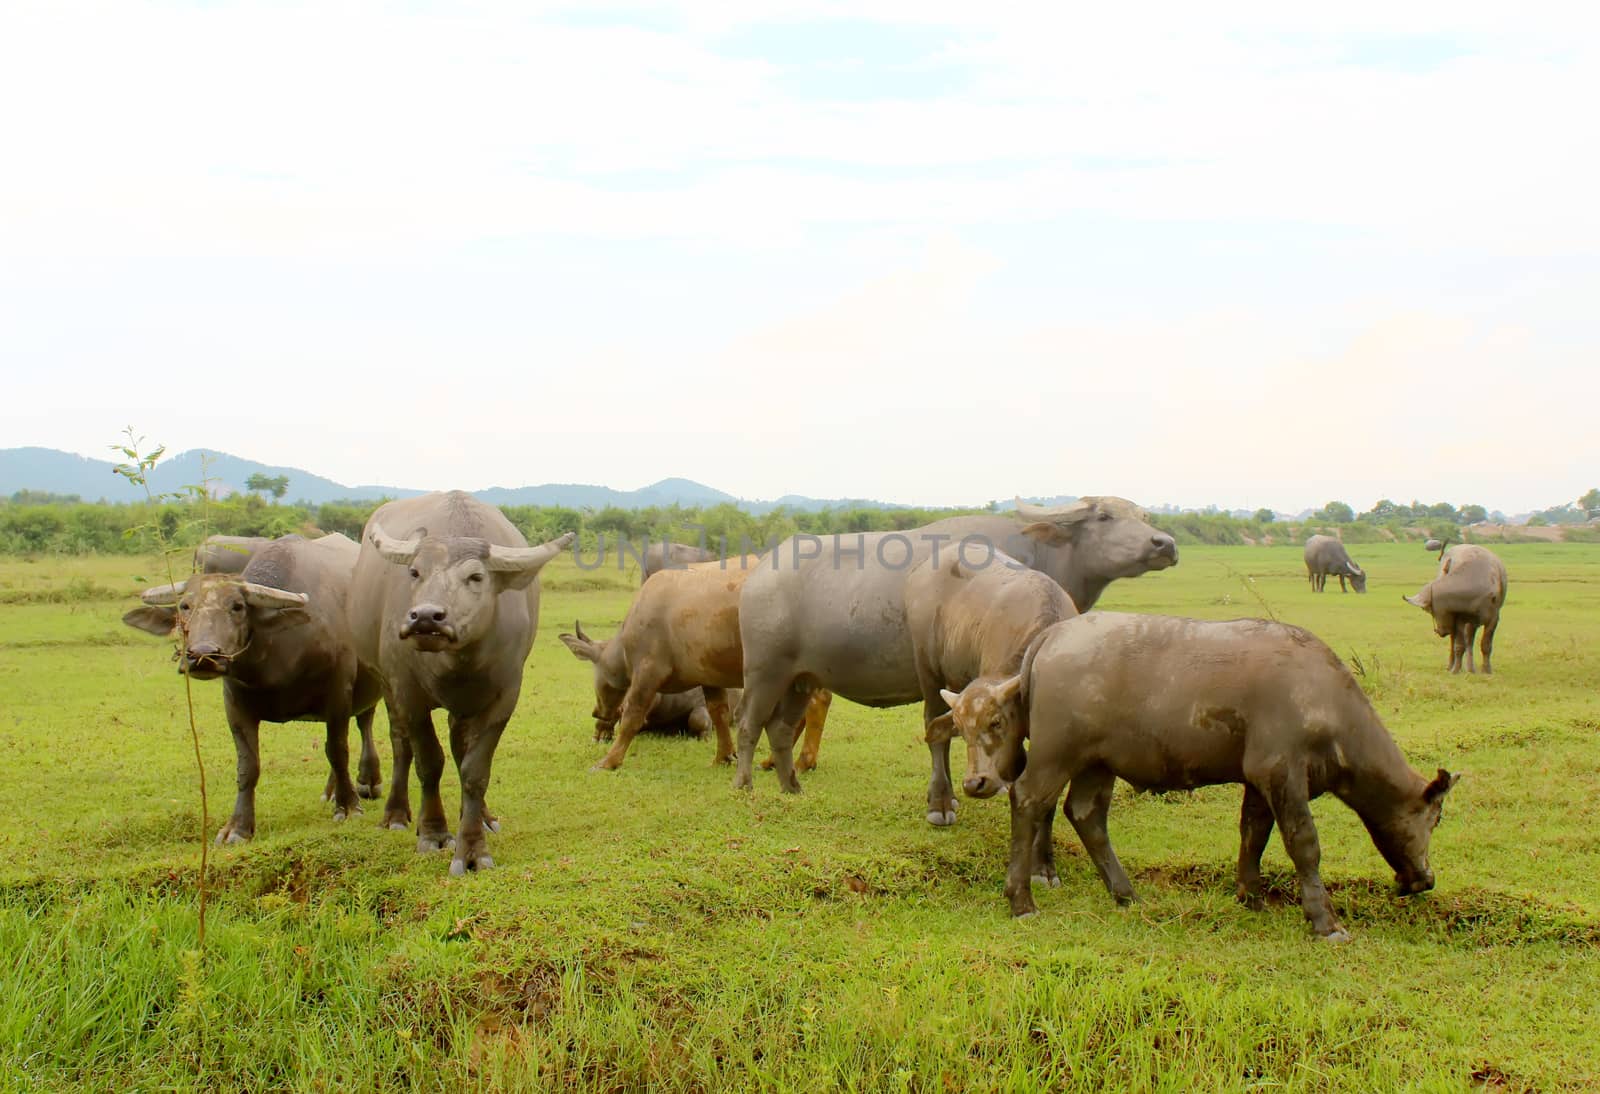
229,554
671,556
278,635
445,604
831,613
1325,558
1171,704
681,632
966,624
1468,593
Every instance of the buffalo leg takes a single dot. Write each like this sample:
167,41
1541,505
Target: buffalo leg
1044,852
397,810
1342,589
472,744
941,794
336,747
1466,643
756,709
717,709
1488,644
1460,643
816,718
1287,795
1255,829
369,774
1088,803
635,711
781,728
247,750
1031,804
433,829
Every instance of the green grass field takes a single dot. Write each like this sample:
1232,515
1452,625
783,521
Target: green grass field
653,928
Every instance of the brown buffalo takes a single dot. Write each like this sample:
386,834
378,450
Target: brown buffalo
681,632
1325,558
444,607
1169,704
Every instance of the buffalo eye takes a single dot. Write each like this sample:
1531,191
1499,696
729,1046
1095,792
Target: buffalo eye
476,577
237,605
1105,516
415,573
184,606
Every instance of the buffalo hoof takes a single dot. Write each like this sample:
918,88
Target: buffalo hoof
230,833
1124,900
1338,934
427,844
1048,878
941,818
341,813
802,765
1033,914
722,761
369,790
396,820
743,782
458,867
601,766
1252,902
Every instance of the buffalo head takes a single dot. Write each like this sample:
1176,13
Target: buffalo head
1110,537
218,616
456,582
610,680
1402,836
988,716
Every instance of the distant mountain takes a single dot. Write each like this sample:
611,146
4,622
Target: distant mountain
95,480
55,472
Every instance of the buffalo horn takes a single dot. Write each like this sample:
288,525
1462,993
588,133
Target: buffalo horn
526,558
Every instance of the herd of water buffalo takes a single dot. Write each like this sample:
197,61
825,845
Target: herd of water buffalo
980,618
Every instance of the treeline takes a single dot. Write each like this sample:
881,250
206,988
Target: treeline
33,523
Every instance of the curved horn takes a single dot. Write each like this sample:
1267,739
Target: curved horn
264,596
527,558
578,627
163,596
393,550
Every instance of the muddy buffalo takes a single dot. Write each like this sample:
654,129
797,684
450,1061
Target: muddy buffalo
1325,558
278,636
830,613
445,604
1172,704
1468,593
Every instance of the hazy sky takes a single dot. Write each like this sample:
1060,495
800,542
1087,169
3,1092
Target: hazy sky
924,251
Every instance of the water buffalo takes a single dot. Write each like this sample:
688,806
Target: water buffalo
671,556
1468,592
446,615
681,632
279,637
229,554
1325,558
1167,704
831,613
967,624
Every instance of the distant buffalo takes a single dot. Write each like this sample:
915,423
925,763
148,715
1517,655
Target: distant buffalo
1325,558
1468,593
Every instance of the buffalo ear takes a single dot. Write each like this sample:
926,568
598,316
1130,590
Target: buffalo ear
1048,532
1440,786
152,620
267,620
941,729
581,646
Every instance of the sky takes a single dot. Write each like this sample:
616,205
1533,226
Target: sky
930,252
